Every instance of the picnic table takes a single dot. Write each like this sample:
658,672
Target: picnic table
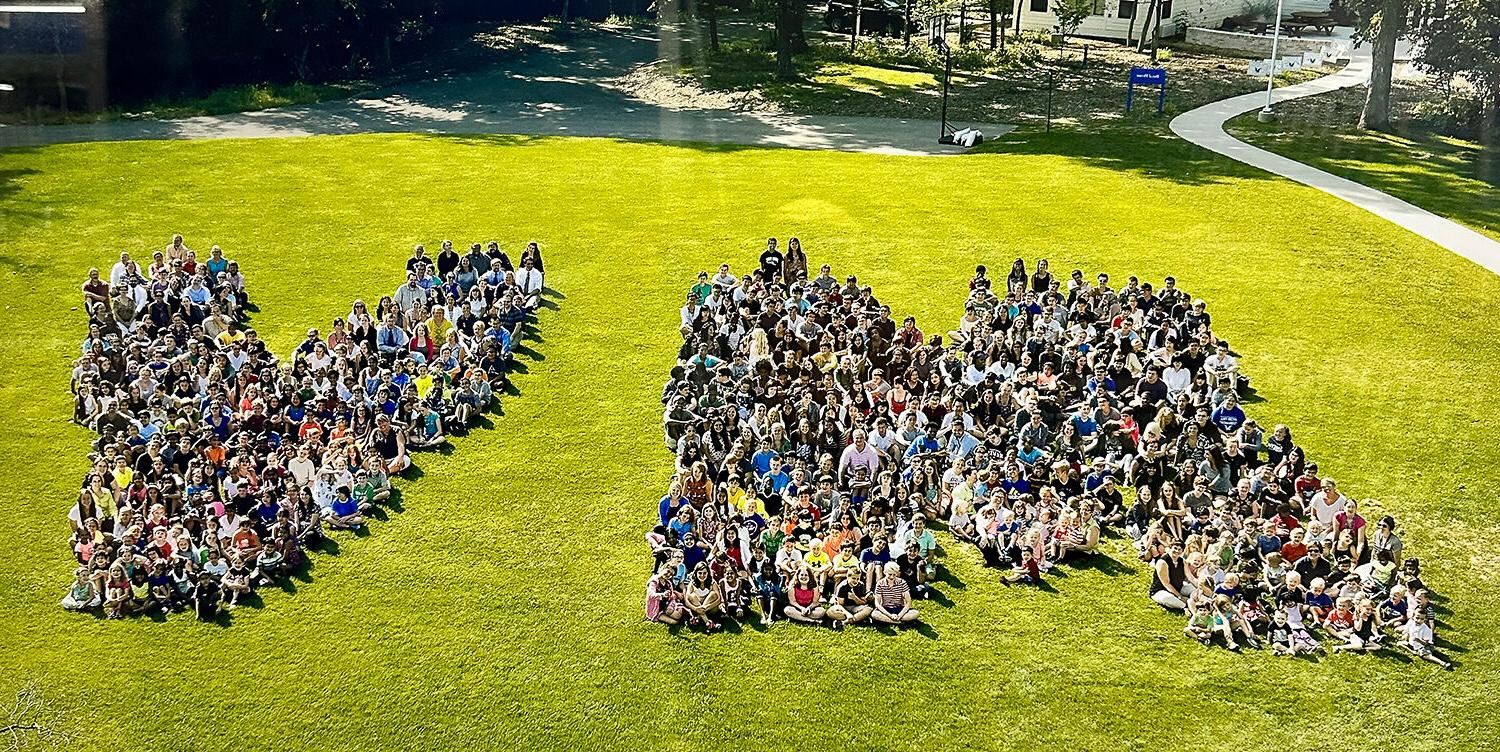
1303,20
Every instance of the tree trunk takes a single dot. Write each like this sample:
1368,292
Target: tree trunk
785,18
1130,30
565,10
799,23
1487,163
1377,111
906,23
994,25
711,9
1018,16
1146,24
963,20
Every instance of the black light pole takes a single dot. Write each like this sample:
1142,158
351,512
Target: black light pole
947,75
945,134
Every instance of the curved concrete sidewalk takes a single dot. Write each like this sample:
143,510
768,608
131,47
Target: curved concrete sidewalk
1204,126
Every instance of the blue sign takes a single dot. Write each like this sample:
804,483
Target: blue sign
1148,76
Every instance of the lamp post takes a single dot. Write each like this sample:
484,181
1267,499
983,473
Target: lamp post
1266,114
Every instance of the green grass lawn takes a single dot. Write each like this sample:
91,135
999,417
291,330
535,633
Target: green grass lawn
503,604
1439,173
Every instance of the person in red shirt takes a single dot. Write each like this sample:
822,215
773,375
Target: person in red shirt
1340,621
1027,571
246,542
1308,482
1293,550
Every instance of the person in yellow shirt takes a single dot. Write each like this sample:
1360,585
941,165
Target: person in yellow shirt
845,566
744,500
818,562
123,474
229,336
438,325
424,381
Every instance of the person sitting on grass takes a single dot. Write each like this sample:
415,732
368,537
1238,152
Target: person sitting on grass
803,600
851,603
893,598
343,513
702,597
1201,625
1360,629
1416,637
663,599
206,596
82,594
1026,571
236,581
270,565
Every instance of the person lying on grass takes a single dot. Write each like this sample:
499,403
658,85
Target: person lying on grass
217,457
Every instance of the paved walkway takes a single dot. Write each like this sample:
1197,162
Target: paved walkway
570,90
1204,126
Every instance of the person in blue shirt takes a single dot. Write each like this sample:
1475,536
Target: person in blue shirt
1015,486
1084,423
709,362
682,524
344,513
762,459
1228,416
1029,455
502,336
672,503
776,479
1101,381
925,444
216,264
960,444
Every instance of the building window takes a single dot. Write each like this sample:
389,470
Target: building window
1127,8
1166,9
1038,6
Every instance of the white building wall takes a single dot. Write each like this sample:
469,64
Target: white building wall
1209,13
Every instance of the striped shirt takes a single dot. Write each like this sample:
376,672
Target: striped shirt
892,592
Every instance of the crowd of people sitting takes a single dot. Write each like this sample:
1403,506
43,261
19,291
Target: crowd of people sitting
818,439
219,462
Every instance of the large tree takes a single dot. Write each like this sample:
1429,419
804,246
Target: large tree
787,20
1462,48
711,12
1383,22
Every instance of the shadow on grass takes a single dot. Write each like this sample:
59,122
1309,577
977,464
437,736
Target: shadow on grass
1144,150
1100,562
1450,177
13,207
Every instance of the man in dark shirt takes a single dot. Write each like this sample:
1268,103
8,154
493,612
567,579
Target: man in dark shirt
1151,390
911,570
771,262
1314,565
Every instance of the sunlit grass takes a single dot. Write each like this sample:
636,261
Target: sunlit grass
1445,175
504,602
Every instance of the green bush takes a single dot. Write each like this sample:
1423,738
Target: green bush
1458,114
